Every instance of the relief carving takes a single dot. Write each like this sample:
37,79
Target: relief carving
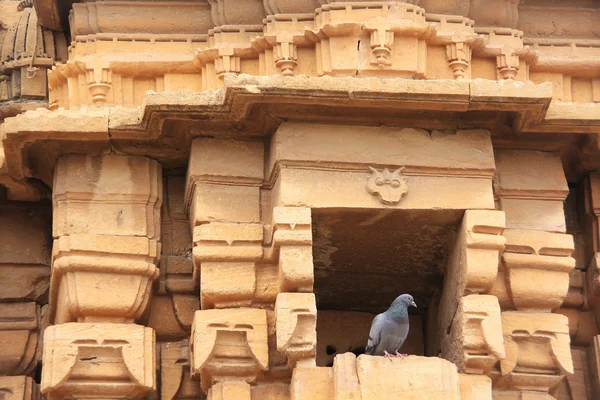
389,187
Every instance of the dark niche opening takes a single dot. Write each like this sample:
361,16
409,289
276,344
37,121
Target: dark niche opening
363,259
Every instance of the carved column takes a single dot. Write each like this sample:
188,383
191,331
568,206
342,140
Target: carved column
105,254
264,321
24,281
534,275
228,345
469,317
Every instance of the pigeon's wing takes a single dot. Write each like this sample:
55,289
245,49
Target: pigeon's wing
393,335
375,334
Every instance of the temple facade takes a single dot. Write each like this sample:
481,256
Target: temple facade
212,199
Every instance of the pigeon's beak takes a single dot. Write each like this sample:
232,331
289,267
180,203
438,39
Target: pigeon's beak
413,304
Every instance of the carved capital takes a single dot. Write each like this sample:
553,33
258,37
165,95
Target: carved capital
296,324
475,341
538,352
102,278
103,360
229,345
19,332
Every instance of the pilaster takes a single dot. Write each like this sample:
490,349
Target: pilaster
534,275
264,321
106,250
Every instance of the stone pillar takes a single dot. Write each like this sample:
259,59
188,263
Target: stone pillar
469,319
24,281
264,321
533,280
106,248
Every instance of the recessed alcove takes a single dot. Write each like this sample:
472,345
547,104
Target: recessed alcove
363,259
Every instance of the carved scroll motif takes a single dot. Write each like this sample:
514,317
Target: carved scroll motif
389,187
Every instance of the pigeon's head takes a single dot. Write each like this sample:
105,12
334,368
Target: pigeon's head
405,299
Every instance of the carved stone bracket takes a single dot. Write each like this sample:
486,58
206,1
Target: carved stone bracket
106,360
538,352
475,343
291,247
223,250
540,257
296,322
506,45
229,345
459,58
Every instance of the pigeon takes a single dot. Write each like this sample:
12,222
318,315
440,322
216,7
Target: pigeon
390,328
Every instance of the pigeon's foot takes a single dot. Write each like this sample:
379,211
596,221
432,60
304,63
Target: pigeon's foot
401,355
387,355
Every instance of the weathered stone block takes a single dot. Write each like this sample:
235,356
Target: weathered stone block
475,387
107,195
432,378
312,384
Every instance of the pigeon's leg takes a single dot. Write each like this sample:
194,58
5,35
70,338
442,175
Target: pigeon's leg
401,355
387,355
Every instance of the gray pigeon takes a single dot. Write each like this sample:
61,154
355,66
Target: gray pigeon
390,328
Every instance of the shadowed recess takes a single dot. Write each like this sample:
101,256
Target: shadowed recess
363,259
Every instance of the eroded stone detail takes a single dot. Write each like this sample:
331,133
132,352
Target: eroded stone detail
389,187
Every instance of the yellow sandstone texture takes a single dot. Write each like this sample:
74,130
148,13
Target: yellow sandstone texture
212,199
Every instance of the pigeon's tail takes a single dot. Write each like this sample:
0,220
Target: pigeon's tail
370,349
